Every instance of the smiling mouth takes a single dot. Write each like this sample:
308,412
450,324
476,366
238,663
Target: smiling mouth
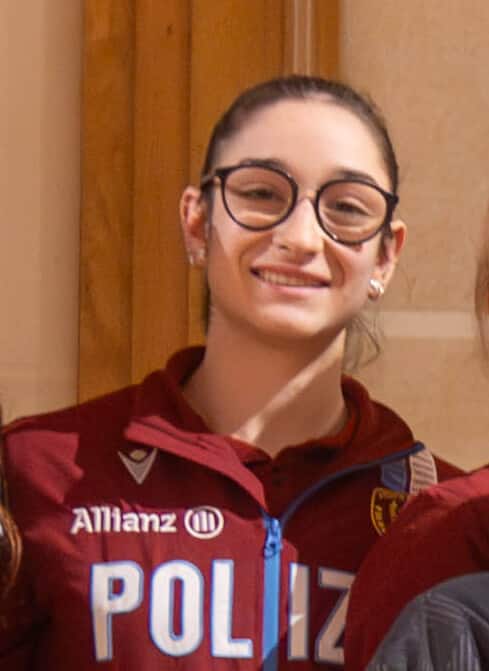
281,279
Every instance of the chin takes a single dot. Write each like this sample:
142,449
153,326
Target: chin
298,334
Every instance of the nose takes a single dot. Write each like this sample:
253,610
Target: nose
300,233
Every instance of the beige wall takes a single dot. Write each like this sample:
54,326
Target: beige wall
39,177
426,64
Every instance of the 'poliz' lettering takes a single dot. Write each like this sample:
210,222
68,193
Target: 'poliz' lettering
177,590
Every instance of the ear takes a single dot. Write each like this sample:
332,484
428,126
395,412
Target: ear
193,220
389,251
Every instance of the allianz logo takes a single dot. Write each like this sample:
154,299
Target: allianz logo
203,522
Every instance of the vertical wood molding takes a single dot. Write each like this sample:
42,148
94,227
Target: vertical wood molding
160,275
327,25
157,76
312,37
106,216
300,54
235,44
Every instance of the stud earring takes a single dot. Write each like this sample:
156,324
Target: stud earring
197,258
376,289
200,255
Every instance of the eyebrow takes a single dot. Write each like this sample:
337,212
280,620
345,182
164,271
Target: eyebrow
339,173
266,163
346,173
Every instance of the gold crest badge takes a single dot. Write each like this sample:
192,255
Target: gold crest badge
385,505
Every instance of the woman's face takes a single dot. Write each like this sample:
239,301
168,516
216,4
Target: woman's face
293,282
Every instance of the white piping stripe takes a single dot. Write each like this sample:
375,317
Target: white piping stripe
438,325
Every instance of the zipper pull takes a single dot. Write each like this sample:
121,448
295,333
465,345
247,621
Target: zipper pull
273,541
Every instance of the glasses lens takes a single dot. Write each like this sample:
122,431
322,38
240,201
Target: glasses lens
257,197
351,211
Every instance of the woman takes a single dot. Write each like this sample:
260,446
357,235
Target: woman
10,544
10,549
10,554
215,515
441,534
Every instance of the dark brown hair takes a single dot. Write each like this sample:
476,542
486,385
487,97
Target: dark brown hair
10,543
302,87
10,552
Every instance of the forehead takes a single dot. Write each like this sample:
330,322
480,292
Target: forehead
313,138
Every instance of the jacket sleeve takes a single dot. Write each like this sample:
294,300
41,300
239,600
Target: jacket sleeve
17,631
445,470
436,537
17,659
446,627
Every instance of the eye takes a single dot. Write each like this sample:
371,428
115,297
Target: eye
258,188
348,206
259,192
351,202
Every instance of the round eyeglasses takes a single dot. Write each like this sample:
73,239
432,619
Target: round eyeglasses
259,197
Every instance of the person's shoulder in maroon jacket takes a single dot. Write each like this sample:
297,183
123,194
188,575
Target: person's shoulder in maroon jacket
441,533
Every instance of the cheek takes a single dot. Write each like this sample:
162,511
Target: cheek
223,258
357,265
222,249
234,247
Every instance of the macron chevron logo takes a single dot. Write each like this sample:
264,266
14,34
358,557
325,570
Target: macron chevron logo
139,463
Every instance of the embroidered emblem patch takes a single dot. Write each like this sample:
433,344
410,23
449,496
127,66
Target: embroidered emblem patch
385,505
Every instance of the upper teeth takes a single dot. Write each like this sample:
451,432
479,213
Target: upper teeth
289,280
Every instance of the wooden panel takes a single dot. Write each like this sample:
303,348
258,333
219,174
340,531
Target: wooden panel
161,172
312,37
300,37
106,226
327,38
235,43
151,96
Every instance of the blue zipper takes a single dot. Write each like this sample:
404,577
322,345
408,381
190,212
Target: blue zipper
271,592
272,552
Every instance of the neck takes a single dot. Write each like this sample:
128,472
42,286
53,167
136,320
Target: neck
269,394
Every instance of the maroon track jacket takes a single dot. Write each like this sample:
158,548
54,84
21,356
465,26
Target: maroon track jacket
440,534
152,544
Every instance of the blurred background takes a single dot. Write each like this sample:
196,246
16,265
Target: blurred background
106,109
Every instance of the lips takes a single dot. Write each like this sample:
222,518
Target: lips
289,278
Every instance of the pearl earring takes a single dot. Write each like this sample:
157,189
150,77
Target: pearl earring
377,289
197,258
200,255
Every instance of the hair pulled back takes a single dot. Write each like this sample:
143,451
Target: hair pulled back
302,87
362,344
